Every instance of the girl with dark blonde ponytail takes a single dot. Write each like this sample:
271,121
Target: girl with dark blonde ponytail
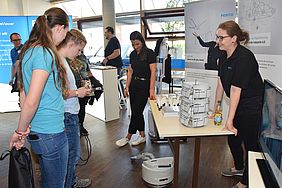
42,79
71,47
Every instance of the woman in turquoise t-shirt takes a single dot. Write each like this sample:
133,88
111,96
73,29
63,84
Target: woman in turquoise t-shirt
43,84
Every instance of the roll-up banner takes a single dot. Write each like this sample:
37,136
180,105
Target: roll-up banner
203,17
262,18
9,25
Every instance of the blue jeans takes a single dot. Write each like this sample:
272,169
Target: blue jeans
52,150
72,131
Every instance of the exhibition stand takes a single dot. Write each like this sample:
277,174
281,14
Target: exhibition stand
171,129
107,107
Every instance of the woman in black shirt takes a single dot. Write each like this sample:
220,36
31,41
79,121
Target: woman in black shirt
140,85
213,53
240,79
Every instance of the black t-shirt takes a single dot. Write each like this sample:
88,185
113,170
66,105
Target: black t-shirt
113,44
213,54
141,68
240,70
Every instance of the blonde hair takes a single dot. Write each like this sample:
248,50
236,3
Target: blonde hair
74,35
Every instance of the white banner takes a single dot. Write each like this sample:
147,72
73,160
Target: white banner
203,17
270,67
262,18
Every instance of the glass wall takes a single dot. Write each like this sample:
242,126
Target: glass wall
127,20
88,8
94,34
82,8
162,4
122,6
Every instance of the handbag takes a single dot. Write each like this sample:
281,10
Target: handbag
20,168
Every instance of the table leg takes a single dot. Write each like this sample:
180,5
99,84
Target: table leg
196,162
176,161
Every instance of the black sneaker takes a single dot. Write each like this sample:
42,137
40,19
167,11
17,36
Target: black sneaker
83,132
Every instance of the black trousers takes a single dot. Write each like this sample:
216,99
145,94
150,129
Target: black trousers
247,120
81,113
139,93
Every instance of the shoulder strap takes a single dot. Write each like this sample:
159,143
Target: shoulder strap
4,155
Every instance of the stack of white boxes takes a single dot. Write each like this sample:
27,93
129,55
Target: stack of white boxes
194,105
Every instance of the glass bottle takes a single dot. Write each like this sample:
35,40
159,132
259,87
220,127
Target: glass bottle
218,114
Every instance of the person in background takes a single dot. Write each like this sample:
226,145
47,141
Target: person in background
81,70
17,42
71,47
241,81
213,53
43,83
140,85
112,50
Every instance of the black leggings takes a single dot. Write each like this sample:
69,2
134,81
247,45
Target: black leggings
247,121
81,113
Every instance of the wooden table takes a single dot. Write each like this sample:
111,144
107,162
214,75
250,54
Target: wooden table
171,129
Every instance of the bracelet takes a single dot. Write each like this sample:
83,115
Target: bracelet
20,135
16,131
76,93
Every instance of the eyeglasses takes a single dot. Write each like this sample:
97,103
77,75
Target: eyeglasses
16,40
221,37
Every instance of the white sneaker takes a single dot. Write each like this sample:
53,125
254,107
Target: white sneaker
138,141
122,142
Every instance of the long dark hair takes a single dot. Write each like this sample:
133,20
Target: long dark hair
41,35
232,29
136,35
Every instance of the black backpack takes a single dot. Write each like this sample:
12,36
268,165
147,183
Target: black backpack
20,168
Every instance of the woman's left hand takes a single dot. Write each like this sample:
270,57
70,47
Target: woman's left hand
152,94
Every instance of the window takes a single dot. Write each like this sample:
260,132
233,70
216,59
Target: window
164,23
82,8
94,33
162,4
